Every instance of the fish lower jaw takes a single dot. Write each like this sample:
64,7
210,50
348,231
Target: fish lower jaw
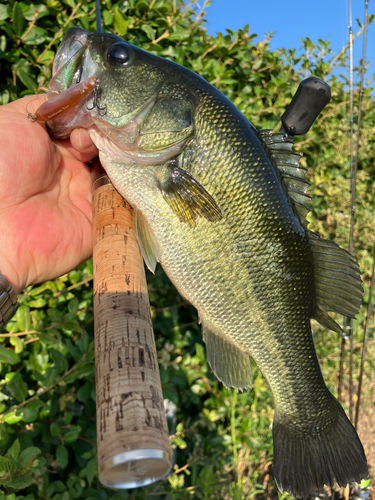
130,154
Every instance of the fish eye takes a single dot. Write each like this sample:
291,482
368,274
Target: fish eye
118,55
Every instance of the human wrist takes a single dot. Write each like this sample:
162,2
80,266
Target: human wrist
8,302
11,276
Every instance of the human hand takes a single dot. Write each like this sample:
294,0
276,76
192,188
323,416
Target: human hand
45,197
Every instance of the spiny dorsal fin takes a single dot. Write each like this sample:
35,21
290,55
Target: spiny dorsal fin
337,281
279,149
230,364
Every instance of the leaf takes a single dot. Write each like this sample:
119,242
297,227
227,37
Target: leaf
8,356
11,418
39,302
73,351
71,327
84,392
16,386
181,443
107,17
35,36
14,450
55,429
75,277
17,19
199,349
3,42
62,456
73,305
20,482
83,370
61,363
90,470
32,11
83,343
37,290
4,99
17,343
30,415
27,458
171,395
149,31
4,467
88,454
3,12
68,417
119,22
59,486
39,362
73,434
23,312
8,28
46,58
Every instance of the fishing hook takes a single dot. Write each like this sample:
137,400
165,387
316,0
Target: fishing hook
95,103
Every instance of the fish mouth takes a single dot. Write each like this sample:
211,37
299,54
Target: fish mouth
73,64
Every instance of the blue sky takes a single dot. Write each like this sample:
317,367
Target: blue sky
295,19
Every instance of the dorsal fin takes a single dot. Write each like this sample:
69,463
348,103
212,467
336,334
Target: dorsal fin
279,149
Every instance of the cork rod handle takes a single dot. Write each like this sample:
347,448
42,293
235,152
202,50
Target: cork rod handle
132,432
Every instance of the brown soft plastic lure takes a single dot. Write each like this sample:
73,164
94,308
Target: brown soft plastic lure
65,101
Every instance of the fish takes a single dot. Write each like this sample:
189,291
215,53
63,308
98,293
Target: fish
222,207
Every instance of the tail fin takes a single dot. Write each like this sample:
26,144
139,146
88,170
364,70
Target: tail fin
306,461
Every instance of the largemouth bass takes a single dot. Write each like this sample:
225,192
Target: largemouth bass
222,208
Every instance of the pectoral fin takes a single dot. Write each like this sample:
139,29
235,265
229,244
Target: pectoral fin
186,197
230,364
146,240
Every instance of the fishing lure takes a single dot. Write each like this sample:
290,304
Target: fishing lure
65,100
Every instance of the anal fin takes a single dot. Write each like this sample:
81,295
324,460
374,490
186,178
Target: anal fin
230,364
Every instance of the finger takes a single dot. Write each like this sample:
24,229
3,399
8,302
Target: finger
82,142
28,159
69,151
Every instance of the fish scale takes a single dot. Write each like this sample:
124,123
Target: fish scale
222,207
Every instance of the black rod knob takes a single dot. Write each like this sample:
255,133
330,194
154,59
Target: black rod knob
310,99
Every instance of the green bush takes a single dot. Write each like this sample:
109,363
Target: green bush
47,392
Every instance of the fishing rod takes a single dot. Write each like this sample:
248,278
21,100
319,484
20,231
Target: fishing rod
365,337
98,17
352,208
354,169
348,334
361,491
369,309
132,433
